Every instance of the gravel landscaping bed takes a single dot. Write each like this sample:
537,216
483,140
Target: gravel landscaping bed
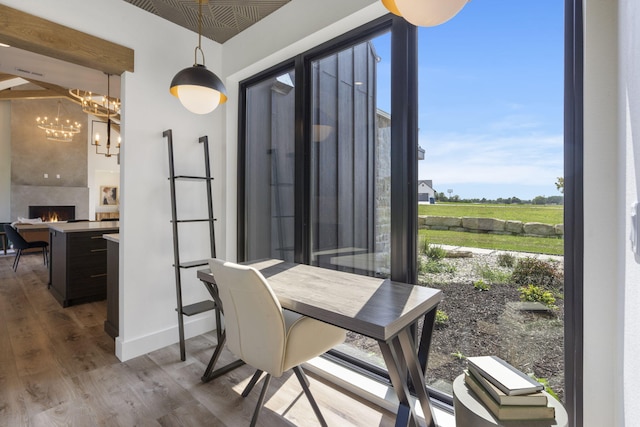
493,322
488,322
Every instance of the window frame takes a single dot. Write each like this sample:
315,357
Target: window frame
404,184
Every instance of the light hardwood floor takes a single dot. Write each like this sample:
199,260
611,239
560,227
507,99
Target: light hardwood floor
58,368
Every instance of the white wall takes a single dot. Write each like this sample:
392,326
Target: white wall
629,94
5,161
147,289
605,247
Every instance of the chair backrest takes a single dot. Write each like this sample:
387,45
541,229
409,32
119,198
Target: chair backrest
253,317
15,237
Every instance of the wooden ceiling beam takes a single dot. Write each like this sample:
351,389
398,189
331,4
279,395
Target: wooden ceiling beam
4,77
34,34
9,95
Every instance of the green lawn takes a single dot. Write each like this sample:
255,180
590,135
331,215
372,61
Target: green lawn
525,213
546,214
538,245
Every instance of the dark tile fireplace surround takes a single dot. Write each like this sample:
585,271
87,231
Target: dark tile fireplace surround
52,213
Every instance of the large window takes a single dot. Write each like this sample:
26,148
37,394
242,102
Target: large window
270,166
329,175
323,197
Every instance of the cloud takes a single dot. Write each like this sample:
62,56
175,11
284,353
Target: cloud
489,159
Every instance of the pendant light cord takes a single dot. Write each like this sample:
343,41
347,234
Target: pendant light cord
199,48
108,111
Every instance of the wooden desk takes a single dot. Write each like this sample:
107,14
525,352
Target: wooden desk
377,308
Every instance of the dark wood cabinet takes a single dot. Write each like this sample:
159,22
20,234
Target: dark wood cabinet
78,265
111,325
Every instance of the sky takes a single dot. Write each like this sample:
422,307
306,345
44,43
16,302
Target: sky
490,99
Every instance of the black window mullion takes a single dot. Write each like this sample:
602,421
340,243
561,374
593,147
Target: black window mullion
574,211
404,151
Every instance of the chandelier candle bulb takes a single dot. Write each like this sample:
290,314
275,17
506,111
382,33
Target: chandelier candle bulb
56,131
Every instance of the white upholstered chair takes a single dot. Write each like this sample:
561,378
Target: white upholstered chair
265,336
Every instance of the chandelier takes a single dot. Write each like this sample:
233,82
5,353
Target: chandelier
95,104
57,129
110,107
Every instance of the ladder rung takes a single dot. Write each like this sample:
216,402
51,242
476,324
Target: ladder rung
191,178
196,220
198,307
196,263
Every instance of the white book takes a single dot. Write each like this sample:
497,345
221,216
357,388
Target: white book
504,376
534,399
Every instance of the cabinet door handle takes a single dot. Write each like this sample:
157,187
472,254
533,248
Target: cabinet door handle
93,276
98,250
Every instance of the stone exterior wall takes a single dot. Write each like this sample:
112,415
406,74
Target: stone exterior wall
490,226
383,192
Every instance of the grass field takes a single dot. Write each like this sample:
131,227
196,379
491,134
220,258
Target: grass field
537,245
524,213
546,214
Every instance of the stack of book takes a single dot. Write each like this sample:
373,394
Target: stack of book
507,392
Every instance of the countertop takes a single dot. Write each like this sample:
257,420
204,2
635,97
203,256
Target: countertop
77,227
112,237
33,227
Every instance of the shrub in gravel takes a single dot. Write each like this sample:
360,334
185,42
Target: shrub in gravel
441,317
537,294
481,285
435,252
532,271
506,260
492,275
435,266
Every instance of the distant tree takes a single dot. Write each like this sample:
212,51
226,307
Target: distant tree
539,200
560,184
515,200
555,200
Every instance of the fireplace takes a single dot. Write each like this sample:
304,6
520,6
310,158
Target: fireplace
52,213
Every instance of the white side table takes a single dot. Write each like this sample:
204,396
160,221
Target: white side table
470,412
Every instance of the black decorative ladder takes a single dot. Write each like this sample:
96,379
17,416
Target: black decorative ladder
201,306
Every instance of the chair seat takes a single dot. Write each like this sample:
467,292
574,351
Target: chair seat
20,244
38,244
307,338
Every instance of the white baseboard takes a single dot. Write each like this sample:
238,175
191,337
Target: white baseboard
134,347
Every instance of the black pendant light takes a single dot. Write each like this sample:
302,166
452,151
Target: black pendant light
198,89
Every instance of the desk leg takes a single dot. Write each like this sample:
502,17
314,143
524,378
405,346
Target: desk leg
408,366
221,335
395,361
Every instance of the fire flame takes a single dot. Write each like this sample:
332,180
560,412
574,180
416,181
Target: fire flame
52,217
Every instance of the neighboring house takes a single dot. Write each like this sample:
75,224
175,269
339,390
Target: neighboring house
426,193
